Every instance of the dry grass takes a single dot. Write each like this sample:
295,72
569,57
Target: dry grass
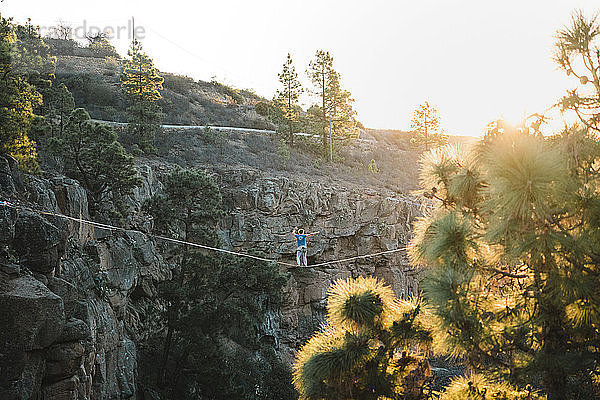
396,160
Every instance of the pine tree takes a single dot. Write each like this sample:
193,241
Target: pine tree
343,116
92,155
512,247
189,206
426,127
577,52
335,108
32,58
286,98
101,46
142,85
319,71
60,104
512,252
213,304
19,98
478,387
366,349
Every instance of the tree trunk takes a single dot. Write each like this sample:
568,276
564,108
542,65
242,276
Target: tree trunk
554,343
291,138
324,112
426,139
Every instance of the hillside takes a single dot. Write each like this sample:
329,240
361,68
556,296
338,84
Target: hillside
396,161
94,83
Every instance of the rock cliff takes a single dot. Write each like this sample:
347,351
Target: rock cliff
73,297
263,210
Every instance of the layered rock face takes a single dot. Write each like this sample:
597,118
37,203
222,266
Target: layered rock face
262,212
59,336
73,297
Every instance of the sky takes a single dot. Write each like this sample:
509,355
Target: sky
474,60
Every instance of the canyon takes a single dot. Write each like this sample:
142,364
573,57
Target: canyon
73,297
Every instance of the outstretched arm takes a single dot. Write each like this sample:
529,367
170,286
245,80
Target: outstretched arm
314,233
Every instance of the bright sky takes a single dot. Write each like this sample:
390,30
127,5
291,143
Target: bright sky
474,60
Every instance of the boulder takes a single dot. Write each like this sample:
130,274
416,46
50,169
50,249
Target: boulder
8,220
34,314
31,317
11,179
21,374
63,360
37,242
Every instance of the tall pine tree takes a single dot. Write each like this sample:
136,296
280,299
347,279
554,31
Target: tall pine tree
512,245
319,71
512,256
339,104
334,112
19,97
286,98
142,85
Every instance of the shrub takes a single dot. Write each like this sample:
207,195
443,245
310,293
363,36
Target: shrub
373,167
102,48
283,151
207,134
263,108
61,47
229,91
91,89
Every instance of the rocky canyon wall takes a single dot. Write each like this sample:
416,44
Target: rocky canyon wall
73,298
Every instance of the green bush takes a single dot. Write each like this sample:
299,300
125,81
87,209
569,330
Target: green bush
373,167
283,151
102,48
91,89
61,47
207,134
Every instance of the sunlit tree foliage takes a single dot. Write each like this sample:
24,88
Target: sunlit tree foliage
25,70
368,348
142,85
286,98
334,103
425,125
512,255
577,52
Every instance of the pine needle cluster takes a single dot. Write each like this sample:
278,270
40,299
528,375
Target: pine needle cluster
371,347
513,260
